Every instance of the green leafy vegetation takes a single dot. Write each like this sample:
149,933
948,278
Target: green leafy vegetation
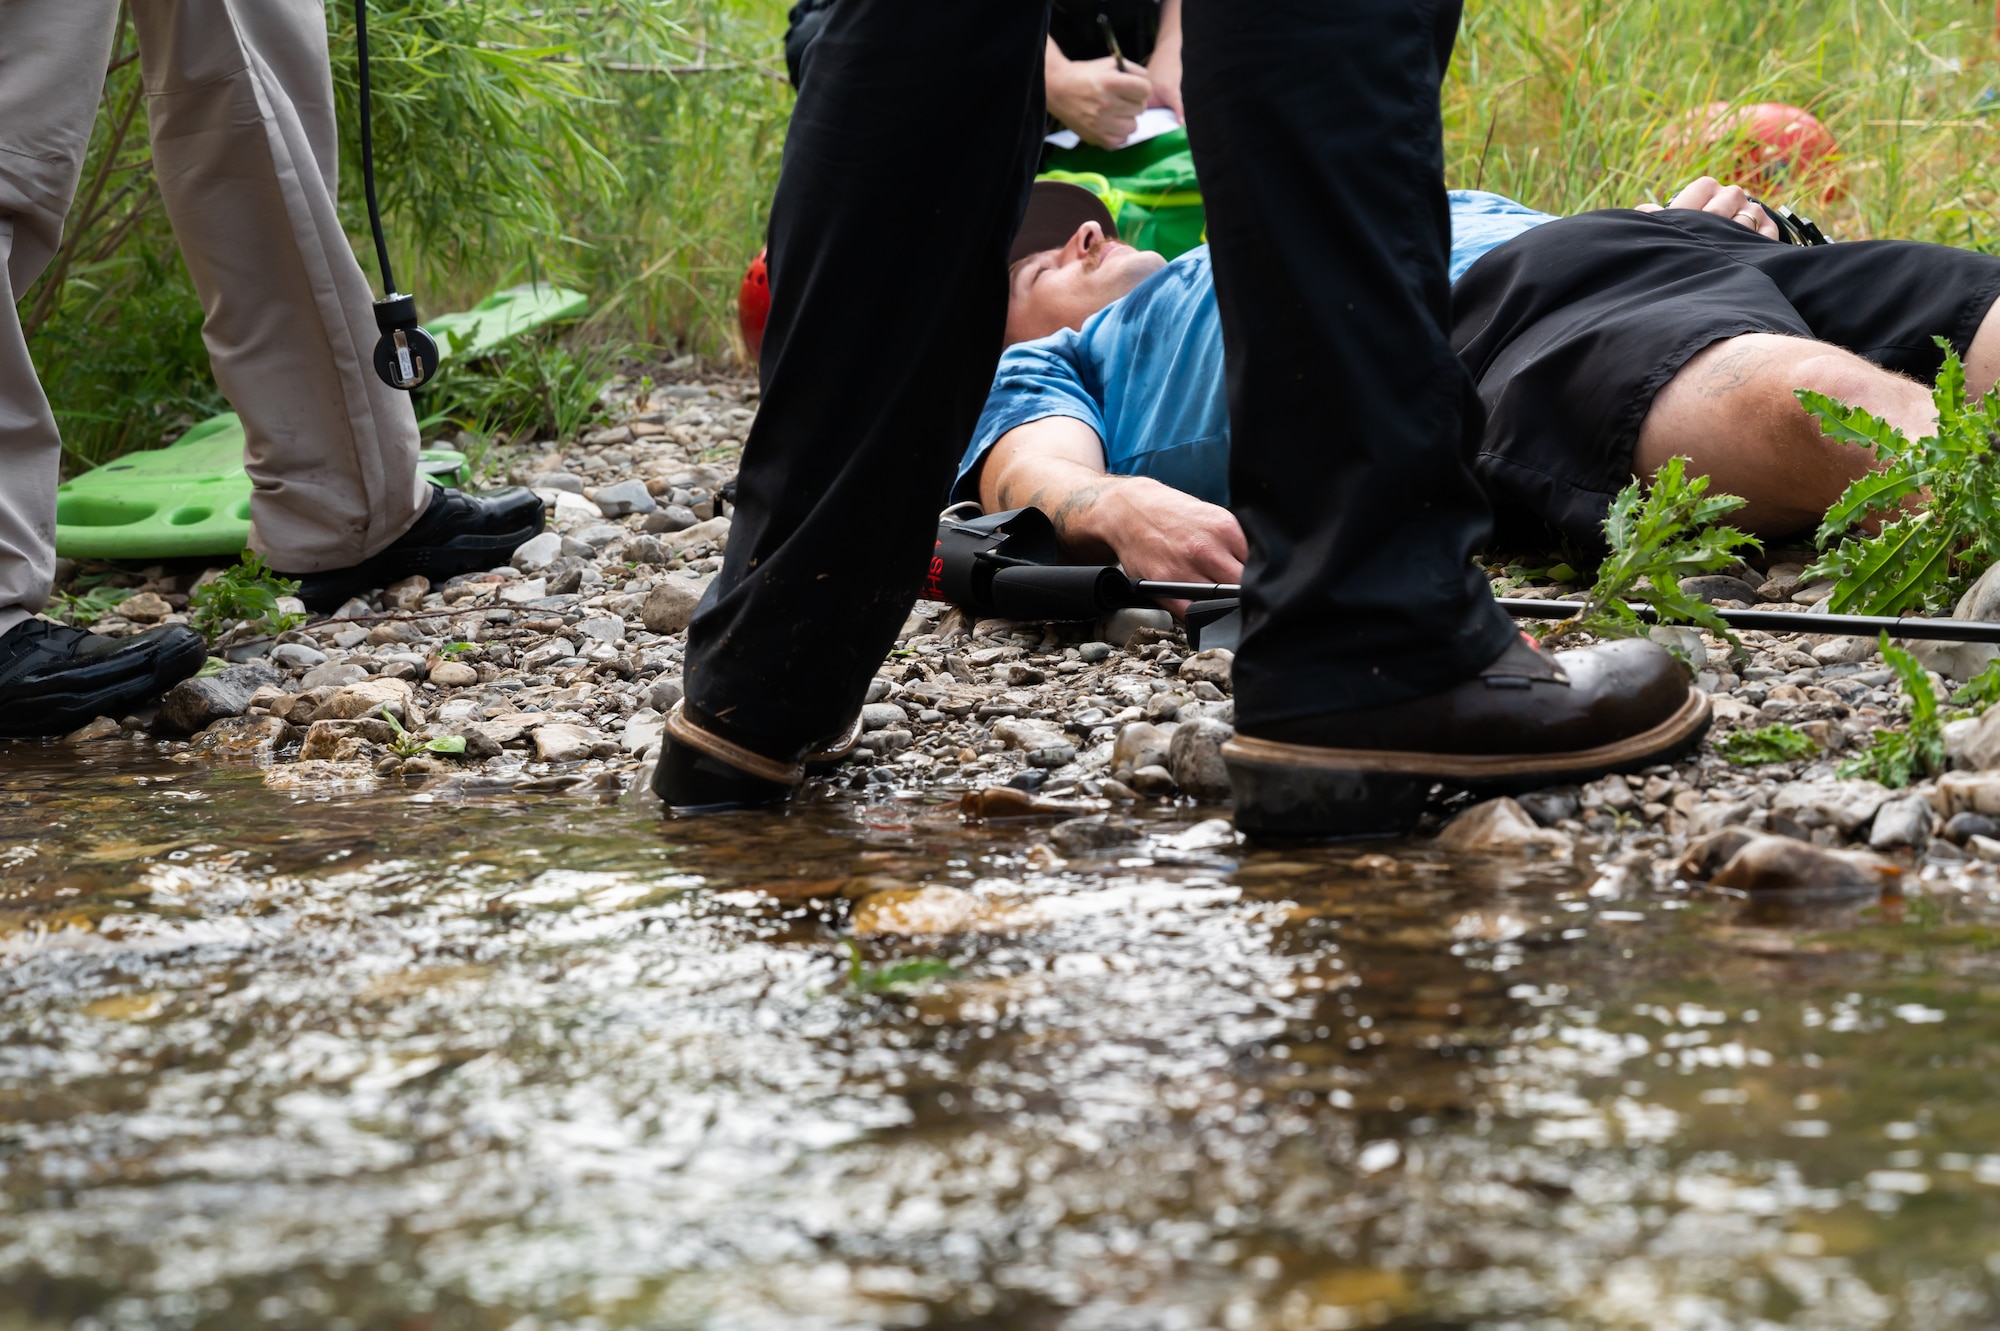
1915,560
537,388
249,591
894,978
406,745
1981,691
1896,758
92,602
1770,744
1658,535
628,148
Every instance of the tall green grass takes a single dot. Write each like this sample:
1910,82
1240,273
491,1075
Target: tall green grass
631,146
1584,104
628,147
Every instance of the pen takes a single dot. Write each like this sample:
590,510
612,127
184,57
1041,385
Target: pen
1111,40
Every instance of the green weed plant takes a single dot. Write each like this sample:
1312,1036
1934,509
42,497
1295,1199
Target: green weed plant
1915,561
1770,744
249,591
1658,534
1896,758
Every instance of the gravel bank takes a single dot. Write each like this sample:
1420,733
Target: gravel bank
555,672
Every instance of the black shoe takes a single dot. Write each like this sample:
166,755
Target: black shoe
701,772
54,678
1528,720
458,533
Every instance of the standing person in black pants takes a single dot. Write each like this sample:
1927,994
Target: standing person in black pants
1374,662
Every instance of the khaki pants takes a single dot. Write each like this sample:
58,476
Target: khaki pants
240,105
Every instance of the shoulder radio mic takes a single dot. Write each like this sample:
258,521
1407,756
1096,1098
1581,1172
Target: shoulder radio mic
406,357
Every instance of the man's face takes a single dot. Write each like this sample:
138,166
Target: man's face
1061,288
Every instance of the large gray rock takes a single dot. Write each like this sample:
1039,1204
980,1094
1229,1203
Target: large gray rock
1902,822
1963,660
622,498
538,552
1502,826
1140,744
1713,587
1195,758
1846,805
671,604
1980,750
196,704
1211,666
1780,864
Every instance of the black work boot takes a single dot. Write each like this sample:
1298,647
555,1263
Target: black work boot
458,533
54,678
702,772
1530,719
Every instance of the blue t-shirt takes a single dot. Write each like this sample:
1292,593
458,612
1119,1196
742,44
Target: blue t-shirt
1146,374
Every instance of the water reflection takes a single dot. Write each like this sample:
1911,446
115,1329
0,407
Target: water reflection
521,1062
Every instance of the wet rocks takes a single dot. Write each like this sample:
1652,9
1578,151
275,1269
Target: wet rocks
916,911
1194,757
342,740
195,704
1780,864
564,743
1140,744
91,731
242,739
1502,826
1081,836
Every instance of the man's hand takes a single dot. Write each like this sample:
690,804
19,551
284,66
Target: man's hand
1095,98
1154,531
1709,195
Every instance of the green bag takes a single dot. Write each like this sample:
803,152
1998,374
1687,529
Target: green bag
1149,187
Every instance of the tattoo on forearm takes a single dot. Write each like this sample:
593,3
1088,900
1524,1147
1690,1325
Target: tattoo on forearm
1073,506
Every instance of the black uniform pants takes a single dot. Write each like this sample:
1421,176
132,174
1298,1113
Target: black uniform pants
1316,129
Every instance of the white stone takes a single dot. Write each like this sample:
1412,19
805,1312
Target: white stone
1846,805
1503,826
563,743
524,591
297,656
603,628
1902,822
623,498
538,553
1018,732
1683,642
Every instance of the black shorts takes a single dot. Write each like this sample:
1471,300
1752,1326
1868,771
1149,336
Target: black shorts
1572,328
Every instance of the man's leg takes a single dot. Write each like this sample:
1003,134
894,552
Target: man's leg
888,300
1733,414
1317,134
53,678
1374,661
53,55
240,101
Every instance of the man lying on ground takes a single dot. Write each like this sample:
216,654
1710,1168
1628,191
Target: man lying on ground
1602,344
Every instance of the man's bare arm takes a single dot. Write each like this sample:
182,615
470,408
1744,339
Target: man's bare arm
1057,465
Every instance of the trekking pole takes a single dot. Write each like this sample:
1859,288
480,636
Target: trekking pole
1770,621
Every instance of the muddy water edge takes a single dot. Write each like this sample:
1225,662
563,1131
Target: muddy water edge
412,1059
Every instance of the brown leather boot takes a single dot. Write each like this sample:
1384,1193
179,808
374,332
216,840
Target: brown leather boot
1530,719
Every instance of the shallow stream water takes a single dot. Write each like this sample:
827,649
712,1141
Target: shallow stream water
423,1062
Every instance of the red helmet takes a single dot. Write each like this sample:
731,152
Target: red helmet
753,304
1780,149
